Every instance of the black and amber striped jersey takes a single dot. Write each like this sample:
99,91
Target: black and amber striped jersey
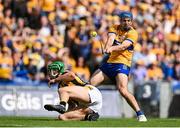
77,82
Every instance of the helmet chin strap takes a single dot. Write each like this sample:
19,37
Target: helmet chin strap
53,74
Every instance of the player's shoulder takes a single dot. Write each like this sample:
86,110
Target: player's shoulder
115,26
132,31
65,72
68,72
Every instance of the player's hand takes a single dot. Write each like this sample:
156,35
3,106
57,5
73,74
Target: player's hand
109,50
106,51
52,81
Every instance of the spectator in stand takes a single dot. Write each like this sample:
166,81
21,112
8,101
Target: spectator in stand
6,64
81,69
154,72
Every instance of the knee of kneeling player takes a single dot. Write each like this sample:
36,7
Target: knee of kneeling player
62,90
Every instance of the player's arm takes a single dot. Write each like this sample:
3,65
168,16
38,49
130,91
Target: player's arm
130,40
125,44
109,42
68,76
112,33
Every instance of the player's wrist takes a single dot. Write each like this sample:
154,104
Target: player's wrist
55,80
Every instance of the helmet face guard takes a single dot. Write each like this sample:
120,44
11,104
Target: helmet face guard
126,20
55,68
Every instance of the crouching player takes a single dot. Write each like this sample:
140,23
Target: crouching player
78,99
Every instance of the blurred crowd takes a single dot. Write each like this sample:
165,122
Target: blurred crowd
34,33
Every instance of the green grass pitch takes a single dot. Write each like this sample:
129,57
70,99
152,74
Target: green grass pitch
103,122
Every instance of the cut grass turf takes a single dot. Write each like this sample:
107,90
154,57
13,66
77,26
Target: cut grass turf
103,122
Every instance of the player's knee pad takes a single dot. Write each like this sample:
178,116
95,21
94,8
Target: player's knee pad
92,116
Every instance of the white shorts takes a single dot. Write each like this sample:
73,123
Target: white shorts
96,98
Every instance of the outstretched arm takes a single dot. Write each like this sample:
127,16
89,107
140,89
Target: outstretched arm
68,76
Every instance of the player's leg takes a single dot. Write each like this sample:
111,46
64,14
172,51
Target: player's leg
97,77
122,84
79,114
74,92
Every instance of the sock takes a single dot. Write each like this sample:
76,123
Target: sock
138,113
65,104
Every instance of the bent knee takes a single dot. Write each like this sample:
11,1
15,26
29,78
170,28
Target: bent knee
61,90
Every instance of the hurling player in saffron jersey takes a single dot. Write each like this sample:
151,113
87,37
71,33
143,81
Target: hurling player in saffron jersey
120,44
